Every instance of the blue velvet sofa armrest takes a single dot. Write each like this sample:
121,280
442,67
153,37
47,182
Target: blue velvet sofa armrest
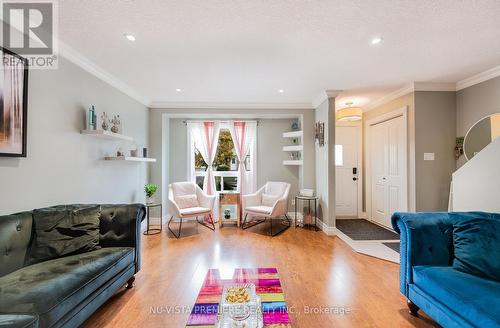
19,320
426,239
120,226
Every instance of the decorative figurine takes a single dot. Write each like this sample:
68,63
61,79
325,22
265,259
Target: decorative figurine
116,124
105,121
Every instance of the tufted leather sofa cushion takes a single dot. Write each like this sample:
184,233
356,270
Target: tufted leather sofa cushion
15,238
120,226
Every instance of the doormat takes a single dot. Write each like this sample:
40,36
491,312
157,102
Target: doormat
393,245
361,229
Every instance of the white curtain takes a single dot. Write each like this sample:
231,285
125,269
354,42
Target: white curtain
244,135
205,136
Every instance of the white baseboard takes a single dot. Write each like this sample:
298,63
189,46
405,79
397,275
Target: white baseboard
330,231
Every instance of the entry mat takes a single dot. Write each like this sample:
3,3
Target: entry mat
393,245
268,288
361,229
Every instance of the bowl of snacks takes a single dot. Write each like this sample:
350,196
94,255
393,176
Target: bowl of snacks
240,303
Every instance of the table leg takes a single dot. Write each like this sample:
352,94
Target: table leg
315,215
295,212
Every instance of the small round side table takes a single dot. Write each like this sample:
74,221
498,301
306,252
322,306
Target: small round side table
308,199
153,231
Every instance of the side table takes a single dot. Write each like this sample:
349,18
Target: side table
153,231
308,199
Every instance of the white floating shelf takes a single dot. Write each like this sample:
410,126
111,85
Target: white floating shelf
293,148
293,162
130,159
292,134
106,134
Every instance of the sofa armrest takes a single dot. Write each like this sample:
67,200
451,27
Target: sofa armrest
426,239
254,199
280,207
205,200
19,320
120,226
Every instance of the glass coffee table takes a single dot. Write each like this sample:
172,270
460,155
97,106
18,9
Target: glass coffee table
206,311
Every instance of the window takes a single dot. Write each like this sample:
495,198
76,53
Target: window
339,155
225,164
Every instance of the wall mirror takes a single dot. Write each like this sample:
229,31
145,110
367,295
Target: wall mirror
481,134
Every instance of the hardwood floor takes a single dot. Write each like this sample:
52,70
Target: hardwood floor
317,271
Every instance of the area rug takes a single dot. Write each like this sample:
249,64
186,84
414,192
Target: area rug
267,285
393,245
361,229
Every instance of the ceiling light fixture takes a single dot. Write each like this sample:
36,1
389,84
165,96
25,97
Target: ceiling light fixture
281,90
178,90
377,40
349,114
129,37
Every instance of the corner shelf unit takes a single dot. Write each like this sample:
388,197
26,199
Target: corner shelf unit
130,159
294,148
107,135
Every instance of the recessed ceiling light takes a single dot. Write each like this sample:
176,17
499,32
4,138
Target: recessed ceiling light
281,90
178,90
377,40
129,37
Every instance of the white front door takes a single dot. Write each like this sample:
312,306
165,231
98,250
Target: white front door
388,169
346,170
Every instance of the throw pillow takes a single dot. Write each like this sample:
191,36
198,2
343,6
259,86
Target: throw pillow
64,231
187,201
476,241
269,200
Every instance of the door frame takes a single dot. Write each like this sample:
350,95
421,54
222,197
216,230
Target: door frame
359,126
400,112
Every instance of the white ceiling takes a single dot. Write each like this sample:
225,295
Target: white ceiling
241,51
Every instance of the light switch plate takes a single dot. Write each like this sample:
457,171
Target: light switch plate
428,156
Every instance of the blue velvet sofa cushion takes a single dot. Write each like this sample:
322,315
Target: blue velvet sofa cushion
467,295
476,242
55,287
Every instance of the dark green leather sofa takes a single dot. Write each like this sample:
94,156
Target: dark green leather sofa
65,291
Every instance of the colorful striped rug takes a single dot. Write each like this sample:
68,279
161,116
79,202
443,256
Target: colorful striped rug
267,285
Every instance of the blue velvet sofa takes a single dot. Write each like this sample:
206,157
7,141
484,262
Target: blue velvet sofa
65,291
429,277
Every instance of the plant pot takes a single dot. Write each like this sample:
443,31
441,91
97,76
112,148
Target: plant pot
227,216
150,200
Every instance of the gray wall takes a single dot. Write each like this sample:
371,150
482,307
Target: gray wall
64,166
325,163
474,103
435,122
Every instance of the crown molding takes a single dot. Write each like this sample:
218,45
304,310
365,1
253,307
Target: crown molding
324,96
478,78
389,97
214,105
433,86
83,62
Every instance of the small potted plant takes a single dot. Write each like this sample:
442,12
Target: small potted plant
150,190
227,214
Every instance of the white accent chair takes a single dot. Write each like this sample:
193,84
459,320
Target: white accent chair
270,201
186,200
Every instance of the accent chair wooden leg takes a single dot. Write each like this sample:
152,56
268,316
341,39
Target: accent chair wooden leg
130,282
413,308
